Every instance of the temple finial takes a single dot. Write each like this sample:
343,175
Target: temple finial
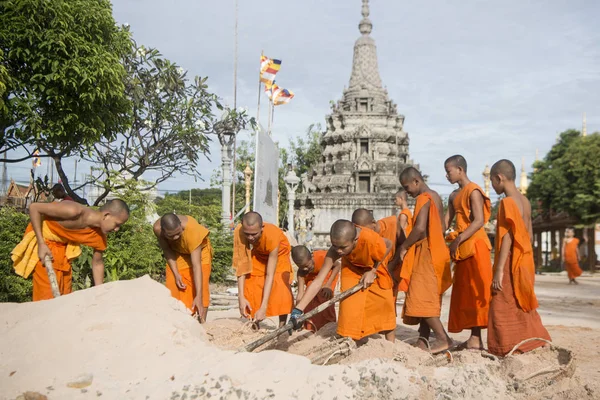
365,26
584,127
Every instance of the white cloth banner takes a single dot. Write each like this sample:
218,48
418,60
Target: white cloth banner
266,177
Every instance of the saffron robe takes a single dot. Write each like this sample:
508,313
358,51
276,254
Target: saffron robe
251,261
193,236
513,316
64,245
327,315
426,268
571,261
471,291
407,230
370,310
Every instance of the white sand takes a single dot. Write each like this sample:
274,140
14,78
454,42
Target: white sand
136,342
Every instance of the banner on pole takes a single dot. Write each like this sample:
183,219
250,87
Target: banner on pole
266,177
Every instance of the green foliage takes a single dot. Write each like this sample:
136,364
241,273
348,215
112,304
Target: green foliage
60,74
306,153
13,288
568,178
223,252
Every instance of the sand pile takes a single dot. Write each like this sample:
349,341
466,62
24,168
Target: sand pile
131,340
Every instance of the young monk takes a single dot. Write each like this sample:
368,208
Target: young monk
364,255
186,246
425,264
570,255
261,258
405,220
309,266
57,230
471,251
513,316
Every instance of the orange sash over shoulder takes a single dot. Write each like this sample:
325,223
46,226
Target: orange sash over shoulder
409,221
462,207
369,250
242,253
522,264
440,255
193,236
319,259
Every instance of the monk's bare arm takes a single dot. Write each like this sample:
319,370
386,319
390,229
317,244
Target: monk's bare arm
500,261
317,283
562,251
477,213
196,259
98,267
269,276
169,254
528,214
449,217
63,211
419,231
337,266
388,248
301,284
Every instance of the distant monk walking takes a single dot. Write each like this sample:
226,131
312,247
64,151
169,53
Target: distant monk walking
186,246
570,255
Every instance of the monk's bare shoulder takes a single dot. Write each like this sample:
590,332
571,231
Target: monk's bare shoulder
156,227
183,219
453,195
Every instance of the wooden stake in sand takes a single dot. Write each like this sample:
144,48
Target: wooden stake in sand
51,276
289,326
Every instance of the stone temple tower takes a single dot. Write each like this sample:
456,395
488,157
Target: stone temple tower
364,151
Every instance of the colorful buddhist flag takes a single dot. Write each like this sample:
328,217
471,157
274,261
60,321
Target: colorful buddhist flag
37,161
270,89
268,69
282,96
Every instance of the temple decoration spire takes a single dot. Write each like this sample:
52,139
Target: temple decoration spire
523,184
584,127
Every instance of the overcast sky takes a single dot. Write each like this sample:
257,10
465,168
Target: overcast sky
485,79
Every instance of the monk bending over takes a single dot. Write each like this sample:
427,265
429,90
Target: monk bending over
309,266
471,250
570,255
513,316
364,256
425,263
186,246
261,258
57,230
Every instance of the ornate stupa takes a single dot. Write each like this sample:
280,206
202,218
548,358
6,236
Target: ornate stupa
364,150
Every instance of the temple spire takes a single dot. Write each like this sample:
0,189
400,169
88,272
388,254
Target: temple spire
365,27
584,127
523,181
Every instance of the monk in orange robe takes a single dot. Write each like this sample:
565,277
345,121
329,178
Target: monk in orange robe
364,256
570,255
56,230
405,220
309,266
471,251
261,258
186,246
513,316
425,274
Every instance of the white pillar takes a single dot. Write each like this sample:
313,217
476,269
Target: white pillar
291,183
226,186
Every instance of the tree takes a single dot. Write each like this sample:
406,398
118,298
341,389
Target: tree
170,122
568,178
13,288
306,153
61,80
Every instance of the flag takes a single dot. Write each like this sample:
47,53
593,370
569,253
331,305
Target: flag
268,69
271,89
282,96
36,162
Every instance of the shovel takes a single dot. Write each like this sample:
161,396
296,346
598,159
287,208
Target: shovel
289,326
51,276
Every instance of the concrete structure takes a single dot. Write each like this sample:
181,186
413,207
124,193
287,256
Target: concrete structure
364,150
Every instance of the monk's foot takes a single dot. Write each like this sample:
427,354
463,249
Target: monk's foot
473,343
422,343
440,346
575,282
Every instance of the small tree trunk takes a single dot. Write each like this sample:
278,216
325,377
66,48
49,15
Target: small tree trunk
65,181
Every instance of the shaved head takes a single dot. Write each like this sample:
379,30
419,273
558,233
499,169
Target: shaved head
252,218
458,161
300,254
411,173
170,222
116,207
402,194
362,217
342,230
506,168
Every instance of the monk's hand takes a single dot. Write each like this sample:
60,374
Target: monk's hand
497,282
368,278
326,293
245,308
402,253
44,251
260,315
179,282
454,247
199,307
296,313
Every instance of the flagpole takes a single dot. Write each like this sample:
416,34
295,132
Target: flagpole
272,115
235,66
258,105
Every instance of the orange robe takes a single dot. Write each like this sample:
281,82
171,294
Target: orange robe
280,300
407,230
425,269
471,292
571,261
92,237
327,315
194,235
371,310
513,316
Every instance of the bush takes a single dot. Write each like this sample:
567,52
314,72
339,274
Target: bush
13,288
222,258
